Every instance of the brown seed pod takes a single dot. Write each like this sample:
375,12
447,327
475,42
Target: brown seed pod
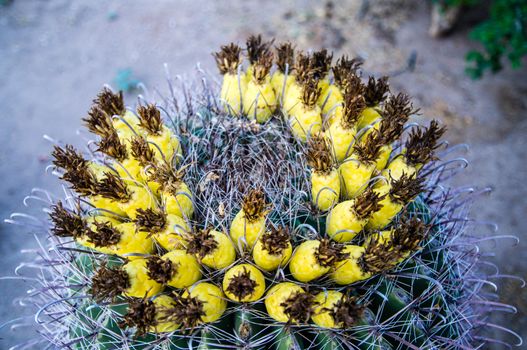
406,188
113,187
141,151
256,47
150,119
188,312
319,156
421,145
368,151
345,69
150,220
254,205
367,203
108,283
111,145
347,311
299,307
302,68
228,59
329,252
376,90
353,106
310,93
67,223
262,66
160,270
98,122
321,63
111,103
141,315
285,57
241,285
104,235
202,243
276,240
68,158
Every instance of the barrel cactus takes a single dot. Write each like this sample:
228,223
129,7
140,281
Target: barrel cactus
296,209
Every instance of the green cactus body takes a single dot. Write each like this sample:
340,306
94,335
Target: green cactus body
408,290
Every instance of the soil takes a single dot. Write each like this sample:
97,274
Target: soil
56,54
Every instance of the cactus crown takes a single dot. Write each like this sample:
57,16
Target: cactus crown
105,234
262,66
242,285
319,155
141,315
109,282
150,220
345,69
353,106
376,91
66,223
202,243
160,270
98,121
285,53
114,187
111,103
299,307
228,59
405,188
150,119
253,205
367,203
276,240
310,93
329,252
421,145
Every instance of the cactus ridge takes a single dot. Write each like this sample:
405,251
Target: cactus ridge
434,296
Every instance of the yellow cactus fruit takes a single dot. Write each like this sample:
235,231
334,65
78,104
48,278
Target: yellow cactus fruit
244,283
397,194
140,198
330,98
348,218
178,200
356,171
169,231
342,132
212,248
150,316
165,144
314,258
288,302
259,100
285,63
336,310
141,284
273,249
249,223
212,299
375,93
325,181
177,269
119,239
349,270
306,119
233,87
419,150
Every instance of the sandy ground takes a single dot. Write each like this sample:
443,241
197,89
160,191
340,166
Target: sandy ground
56,54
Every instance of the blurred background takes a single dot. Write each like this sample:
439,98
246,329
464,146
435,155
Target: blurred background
55,55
